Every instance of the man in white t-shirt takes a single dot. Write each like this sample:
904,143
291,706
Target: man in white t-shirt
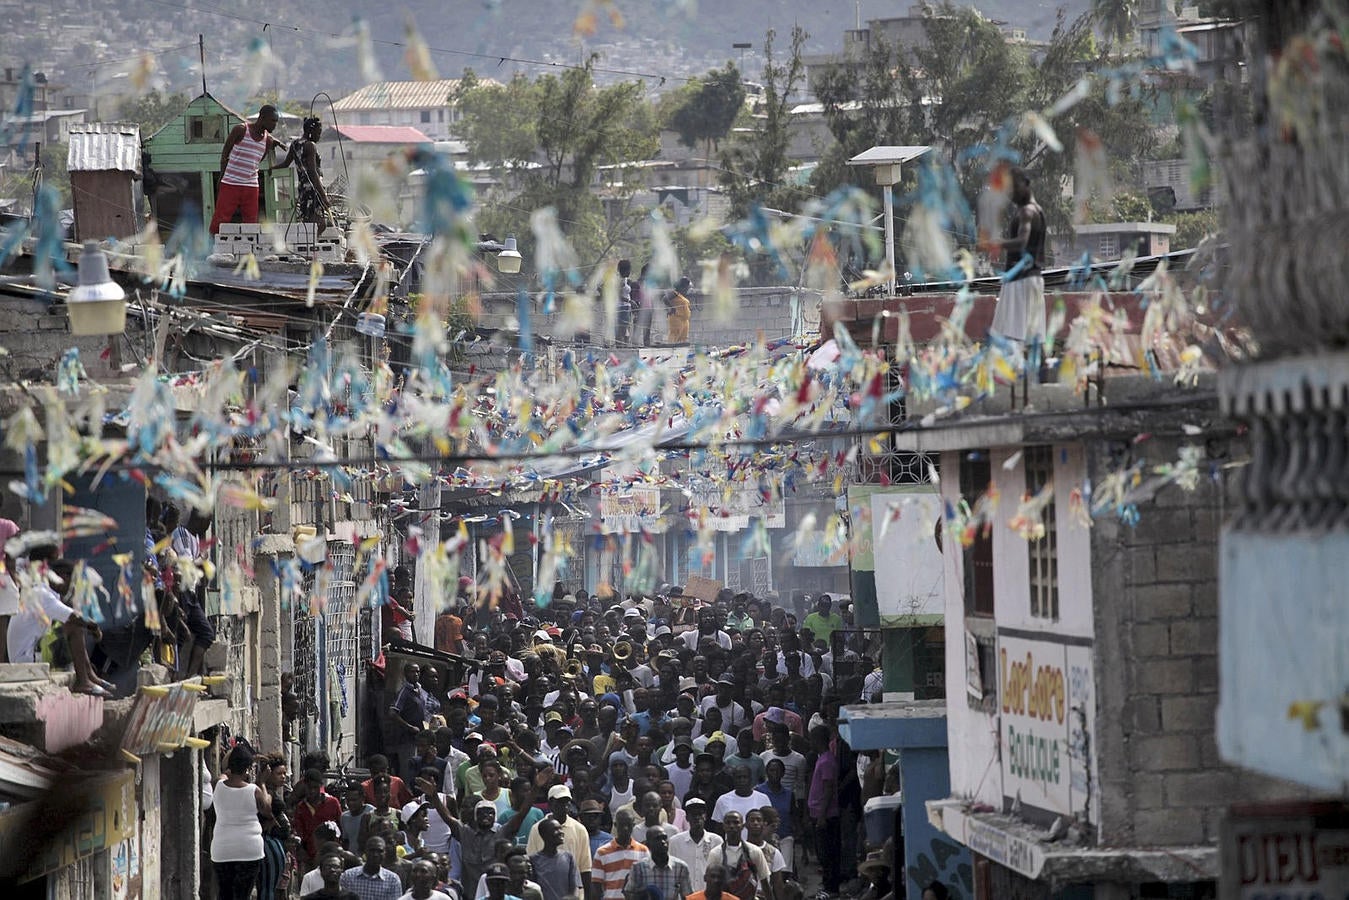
741,800
707,628
39,607
733,715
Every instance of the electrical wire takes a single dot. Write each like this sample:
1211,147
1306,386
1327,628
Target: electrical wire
501,58
1199,401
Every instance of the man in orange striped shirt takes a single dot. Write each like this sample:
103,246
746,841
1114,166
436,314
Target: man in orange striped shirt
243,153
614,860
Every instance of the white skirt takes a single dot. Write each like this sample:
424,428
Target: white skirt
1020,315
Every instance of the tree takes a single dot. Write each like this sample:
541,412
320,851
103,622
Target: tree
549,137
709,108
866,105
1120,124
1117,18
152,111
754,165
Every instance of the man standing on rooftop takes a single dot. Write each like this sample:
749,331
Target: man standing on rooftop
245,148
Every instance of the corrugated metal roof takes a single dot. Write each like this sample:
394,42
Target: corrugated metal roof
382,134
104,147
399,95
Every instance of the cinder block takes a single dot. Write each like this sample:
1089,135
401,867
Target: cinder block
1198,637
1164,676
1204,596
250,228
1152,639
1206,673
1165,753
1161,527
1162,601
301,233
1169,827
1142,716
230,228
1189,713
1148,791
1201,789
1187,562
1142,563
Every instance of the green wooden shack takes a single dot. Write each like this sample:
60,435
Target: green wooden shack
182,166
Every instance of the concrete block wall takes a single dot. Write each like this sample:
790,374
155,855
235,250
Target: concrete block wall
765,310
1155,587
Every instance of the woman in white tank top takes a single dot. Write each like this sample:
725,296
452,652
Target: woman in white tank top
240,809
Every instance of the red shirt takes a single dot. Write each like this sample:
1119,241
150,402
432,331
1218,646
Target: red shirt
309,816
399,795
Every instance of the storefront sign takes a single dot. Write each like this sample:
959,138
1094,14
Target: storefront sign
630,510
1046,697
731,510
1285,856
162,719
1017,854
95,814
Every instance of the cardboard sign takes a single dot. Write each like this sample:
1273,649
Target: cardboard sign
705,589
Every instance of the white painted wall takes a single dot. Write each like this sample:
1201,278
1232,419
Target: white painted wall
1011,567
972,735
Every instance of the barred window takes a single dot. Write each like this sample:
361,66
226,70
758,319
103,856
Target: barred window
1044,553
976,474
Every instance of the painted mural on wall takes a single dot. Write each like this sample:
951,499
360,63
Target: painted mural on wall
942,859
1047,708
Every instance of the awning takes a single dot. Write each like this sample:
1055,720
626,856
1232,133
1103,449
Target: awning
1021,847
895,725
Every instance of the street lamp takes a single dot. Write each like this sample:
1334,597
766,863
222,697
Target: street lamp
886,161
97,305
509,259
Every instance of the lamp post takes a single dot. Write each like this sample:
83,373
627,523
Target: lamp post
507,254
97,305
887,161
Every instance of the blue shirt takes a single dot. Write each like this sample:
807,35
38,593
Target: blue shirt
598,840
647,720
782,802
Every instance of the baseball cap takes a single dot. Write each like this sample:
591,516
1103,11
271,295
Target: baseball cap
715,737
688,683
498,872
552,716
542,635
595,806
484,804
694,801
726,679
662,630
559,792
473,736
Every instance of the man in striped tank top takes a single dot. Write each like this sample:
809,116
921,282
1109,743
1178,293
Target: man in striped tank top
244,151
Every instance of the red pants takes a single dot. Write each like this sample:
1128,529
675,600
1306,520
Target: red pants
232,198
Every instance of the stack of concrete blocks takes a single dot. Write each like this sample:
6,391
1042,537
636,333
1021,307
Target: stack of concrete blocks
303,239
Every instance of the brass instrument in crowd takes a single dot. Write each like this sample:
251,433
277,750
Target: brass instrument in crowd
574,667
622,651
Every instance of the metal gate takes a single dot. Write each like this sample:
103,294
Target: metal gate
341,640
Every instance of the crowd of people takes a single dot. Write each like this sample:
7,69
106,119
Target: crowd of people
657,748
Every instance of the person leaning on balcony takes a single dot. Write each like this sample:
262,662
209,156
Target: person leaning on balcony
678,312
1020,313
